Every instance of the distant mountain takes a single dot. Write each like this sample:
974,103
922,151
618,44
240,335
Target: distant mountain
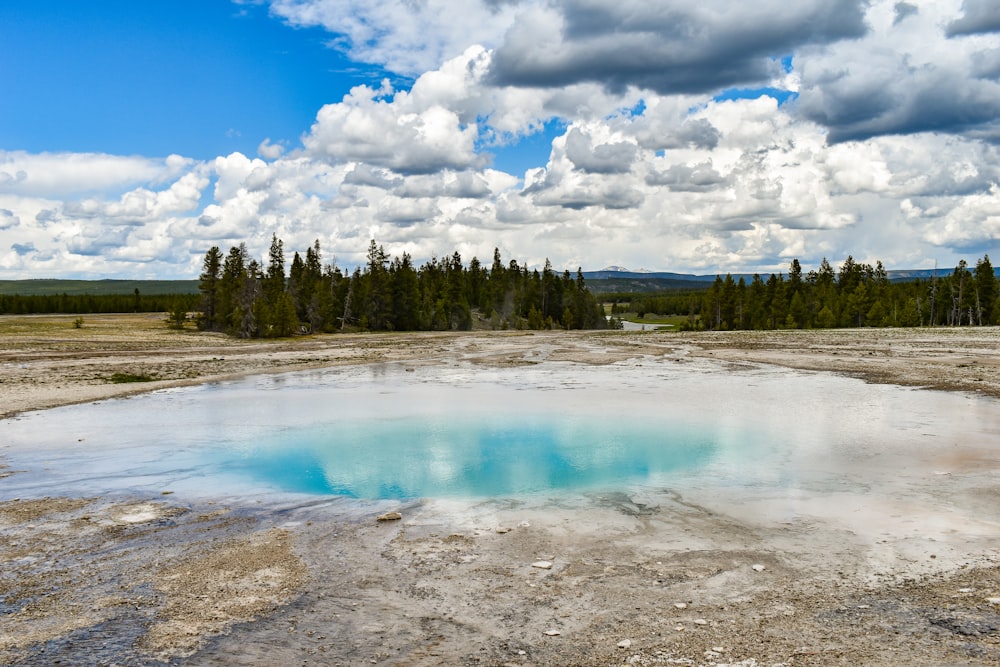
625,274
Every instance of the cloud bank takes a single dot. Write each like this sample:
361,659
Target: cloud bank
674,152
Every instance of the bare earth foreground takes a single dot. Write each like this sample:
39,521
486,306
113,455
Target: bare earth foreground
618,579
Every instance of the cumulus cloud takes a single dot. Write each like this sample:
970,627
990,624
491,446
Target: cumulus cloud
668,47
902,78
903,10
60,175
406,211
587,154
270,151
142,205
668,156
404,36
979,16
364,174
701,177
393,131
462,185
8,220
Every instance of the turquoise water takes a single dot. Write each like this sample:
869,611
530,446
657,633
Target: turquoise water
463,431
482,456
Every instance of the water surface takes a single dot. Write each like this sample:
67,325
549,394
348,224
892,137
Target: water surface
467,431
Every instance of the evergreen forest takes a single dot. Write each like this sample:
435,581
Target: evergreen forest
856,295
244,298
136,302
239,295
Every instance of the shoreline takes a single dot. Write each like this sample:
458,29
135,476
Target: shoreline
75,366
650,577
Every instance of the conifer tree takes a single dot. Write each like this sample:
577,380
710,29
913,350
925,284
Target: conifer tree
208,285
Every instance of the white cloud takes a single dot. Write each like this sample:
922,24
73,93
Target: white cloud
270,151
8,220
59,175
404,36
903,77
888,152
392,131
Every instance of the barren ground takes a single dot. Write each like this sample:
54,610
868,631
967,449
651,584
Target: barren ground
648,581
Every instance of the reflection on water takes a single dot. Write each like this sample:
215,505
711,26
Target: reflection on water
467,431
468,456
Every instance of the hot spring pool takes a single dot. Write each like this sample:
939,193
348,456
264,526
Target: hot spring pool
468,431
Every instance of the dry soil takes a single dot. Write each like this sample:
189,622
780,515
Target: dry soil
614,579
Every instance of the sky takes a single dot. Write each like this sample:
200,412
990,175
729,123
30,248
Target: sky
698,137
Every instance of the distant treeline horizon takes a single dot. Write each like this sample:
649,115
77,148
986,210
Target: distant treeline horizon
856,295
445,294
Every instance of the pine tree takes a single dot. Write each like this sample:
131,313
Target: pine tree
986,291
208,285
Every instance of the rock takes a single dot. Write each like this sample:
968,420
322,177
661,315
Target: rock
680,605
757,567
542,564
625,643
503,529
389,516
700,621
993,600
552,633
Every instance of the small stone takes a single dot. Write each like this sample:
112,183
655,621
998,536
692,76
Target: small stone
757,567
966,590
625,643
700,621
718,649
389,516
679,628
542,564
993,600
503,529
680,605
552,633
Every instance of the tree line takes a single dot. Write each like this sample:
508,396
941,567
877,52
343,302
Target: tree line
47,304
243,297
856,295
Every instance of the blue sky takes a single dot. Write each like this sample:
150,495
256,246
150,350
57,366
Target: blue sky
196,77
200,78
676,136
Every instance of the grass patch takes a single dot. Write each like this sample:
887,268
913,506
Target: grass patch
122,378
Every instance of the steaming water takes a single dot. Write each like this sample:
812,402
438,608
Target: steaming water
389,431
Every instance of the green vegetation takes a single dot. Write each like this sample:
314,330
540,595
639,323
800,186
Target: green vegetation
243,298
47,287
45,304
858,295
